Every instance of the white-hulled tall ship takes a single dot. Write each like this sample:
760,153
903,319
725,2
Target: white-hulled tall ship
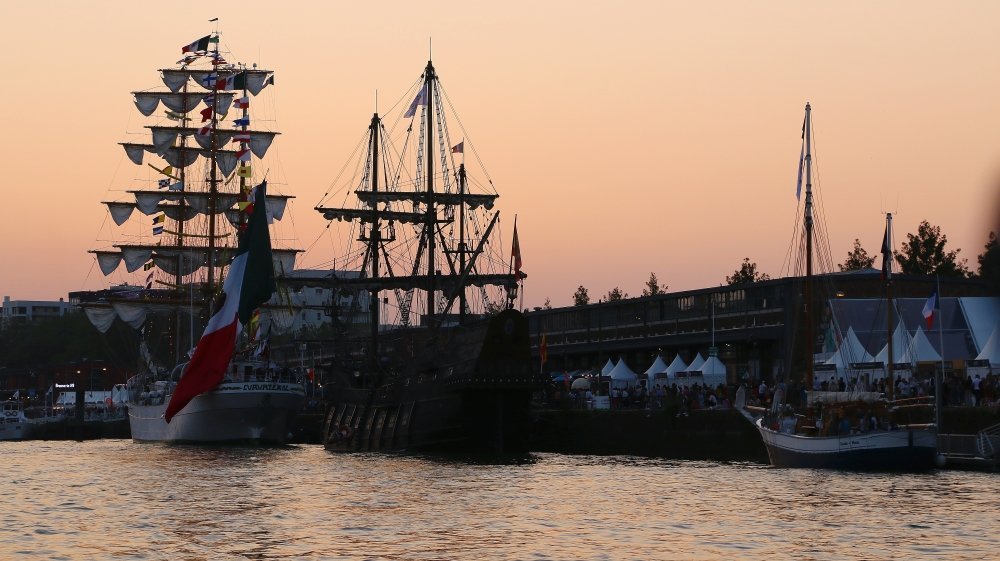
440,360
197,198
848,430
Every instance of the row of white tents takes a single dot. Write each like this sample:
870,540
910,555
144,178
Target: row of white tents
706,372
906,349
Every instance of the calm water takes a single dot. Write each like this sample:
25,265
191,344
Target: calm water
114,499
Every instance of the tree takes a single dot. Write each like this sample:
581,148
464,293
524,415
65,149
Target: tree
747,273
924,254
857,259
653,286
989,262
580,297
615,294
64,339
548,304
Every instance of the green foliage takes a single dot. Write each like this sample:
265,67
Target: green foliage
924,254
65,339
653,286
615,295
989,263
581,297
858,259
747,273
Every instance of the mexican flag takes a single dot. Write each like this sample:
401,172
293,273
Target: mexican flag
200,45
250,283
236,81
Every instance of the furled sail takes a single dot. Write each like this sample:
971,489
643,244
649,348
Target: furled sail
421,197
259,141
188,243
148,202
175,78
183,102
181,157
365,215
185,260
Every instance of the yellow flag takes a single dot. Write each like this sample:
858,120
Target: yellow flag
167,171
243,205
244,171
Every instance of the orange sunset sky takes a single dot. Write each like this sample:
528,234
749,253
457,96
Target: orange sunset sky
628,137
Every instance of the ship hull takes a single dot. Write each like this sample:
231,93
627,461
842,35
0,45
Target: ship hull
233,413
913,449
14,431
465,393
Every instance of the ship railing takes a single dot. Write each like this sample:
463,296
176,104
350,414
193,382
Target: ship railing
987,441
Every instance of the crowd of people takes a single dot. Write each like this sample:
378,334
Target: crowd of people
957,389
682,398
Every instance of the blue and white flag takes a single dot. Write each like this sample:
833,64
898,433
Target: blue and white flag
421,99
209,81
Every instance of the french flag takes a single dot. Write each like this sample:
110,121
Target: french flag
931,307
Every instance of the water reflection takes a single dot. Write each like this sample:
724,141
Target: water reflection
118,499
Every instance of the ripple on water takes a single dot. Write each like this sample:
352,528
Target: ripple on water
118,499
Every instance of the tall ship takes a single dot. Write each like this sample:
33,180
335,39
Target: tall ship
201,193
851,430
430,353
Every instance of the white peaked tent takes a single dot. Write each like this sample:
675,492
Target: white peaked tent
658,367
900,345
850,351
696,363
713,372
991,350
677,365
921,349
622,376
608,367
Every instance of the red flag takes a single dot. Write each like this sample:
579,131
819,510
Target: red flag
458,148
206,114
515,252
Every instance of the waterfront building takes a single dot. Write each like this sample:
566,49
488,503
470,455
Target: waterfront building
752,327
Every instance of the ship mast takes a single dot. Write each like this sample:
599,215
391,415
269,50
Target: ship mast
213,183
431,215
888,306
461,238
810,337
374,245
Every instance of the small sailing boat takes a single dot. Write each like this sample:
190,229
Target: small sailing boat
423,236
854,430
219,395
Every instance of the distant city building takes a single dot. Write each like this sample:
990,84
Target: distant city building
311,306
29,311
